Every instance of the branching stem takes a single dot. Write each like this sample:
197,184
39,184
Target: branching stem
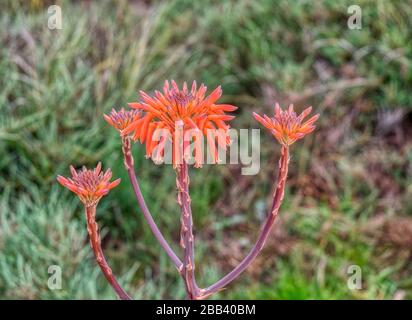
187,267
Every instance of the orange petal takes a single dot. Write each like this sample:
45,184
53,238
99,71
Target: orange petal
224,107
135,105
113,184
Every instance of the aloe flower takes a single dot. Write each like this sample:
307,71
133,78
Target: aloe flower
178,111
287,126
90,186
121,119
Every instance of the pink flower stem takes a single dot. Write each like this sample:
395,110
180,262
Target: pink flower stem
186,232
95,243
264,233
129,164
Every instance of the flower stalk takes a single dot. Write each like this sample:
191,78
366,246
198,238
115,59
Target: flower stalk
187,241
129,164
93,230
265,230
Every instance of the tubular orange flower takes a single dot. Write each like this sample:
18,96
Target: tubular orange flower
287,126
122,118
179,111
89,185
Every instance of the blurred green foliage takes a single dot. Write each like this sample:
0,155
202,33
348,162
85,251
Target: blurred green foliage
348,197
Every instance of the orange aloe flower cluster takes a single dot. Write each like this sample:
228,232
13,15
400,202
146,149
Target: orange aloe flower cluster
180,111
121,119
89,185
287,126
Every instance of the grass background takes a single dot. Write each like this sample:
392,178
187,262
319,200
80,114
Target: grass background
348,197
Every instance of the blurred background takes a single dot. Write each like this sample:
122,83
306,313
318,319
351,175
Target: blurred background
348,200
